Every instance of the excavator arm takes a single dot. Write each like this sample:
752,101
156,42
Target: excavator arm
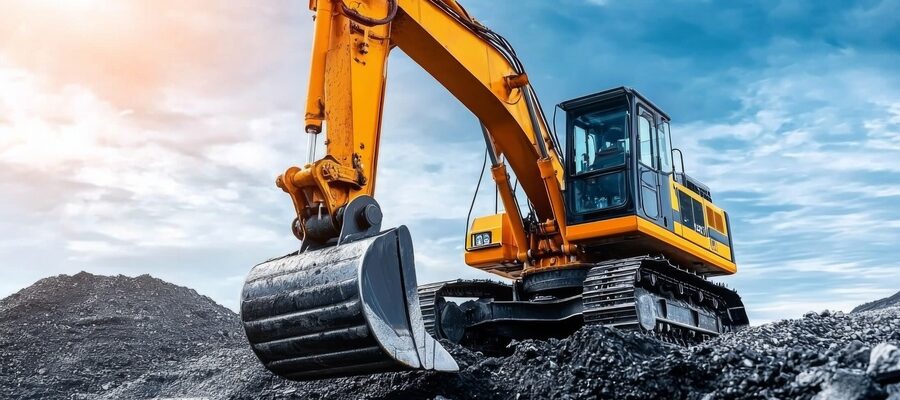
353,40
346,303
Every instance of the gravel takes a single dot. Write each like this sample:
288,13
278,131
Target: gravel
93,337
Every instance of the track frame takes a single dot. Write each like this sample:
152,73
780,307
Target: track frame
648,294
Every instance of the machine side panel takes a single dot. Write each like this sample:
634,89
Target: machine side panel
618,236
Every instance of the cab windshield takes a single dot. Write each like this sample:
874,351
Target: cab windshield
600,148
600,140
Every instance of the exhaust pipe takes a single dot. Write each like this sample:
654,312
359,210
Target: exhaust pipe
349,309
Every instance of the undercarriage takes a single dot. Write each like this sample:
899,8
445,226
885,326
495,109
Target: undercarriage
646,294
356,308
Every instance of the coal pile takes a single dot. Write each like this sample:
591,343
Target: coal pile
67,335
879,304
141,338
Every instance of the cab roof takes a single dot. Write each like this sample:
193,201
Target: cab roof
609,94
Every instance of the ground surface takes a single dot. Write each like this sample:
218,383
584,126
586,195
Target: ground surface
92,337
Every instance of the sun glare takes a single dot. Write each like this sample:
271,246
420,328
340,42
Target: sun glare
97,13
72,5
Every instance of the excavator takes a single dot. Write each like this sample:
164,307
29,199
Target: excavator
602,229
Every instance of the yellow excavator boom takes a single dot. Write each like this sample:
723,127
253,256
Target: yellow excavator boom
346,93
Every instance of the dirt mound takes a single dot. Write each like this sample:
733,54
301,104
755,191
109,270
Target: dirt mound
91,337
87,333
886,302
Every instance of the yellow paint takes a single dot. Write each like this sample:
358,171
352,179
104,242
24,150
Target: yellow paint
600,229
722,249
706,204
700,251
673,195
635,225
717,222
690,234
501,251
516,231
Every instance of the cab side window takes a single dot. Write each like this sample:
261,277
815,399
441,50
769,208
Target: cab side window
645,140
665,148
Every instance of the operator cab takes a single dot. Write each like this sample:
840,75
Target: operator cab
623,194
605,158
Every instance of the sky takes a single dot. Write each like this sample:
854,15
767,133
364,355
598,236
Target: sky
144,136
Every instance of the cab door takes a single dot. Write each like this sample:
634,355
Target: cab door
647,167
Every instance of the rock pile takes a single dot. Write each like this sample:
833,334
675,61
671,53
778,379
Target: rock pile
879,304
91,337
884,364
88,334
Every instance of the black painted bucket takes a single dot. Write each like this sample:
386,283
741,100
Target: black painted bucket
345,310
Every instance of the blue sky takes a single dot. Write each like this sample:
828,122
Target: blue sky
150,145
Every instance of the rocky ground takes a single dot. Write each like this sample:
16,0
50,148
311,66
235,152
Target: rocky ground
92,337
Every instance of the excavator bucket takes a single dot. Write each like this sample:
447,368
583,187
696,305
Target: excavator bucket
344,310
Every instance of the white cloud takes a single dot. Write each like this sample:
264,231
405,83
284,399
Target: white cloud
138,153
809,166
181,183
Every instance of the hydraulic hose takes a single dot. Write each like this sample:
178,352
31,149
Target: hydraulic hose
475,196
355,16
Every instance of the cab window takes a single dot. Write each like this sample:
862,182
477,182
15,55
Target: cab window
598,192
665,148
645,140
600,140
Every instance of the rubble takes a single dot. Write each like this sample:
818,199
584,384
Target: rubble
884,363
849,385
92,337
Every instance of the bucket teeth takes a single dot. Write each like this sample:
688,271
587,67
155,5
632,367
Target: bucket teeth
345,310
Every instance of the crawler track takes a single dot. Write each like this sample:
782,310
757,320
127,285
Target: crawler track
650,294
645,294
432,297
609,295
